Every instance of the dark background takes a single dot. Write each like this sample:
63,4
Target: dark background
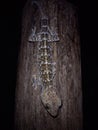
10,38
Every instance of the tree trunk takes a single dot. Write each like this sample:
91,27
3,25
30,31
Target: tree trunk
30,113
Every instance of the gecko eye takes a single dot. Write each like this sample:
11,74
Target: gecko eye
47,107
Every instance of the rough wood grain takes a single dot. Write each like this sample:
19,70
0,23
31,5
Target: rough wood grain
29,111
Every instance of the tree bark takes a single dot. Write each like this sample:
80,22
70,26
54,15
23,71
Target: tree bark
30,114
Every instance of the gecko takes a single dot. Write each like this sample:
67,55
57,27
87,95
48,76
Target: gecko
45,38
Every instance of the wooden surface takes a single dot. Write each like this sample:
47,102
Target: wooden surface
29,111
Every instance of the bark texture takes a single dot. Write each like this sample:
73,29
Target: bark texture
29,111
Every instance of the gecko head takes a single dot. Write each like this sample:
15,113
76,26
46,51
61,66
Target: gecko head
51,101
